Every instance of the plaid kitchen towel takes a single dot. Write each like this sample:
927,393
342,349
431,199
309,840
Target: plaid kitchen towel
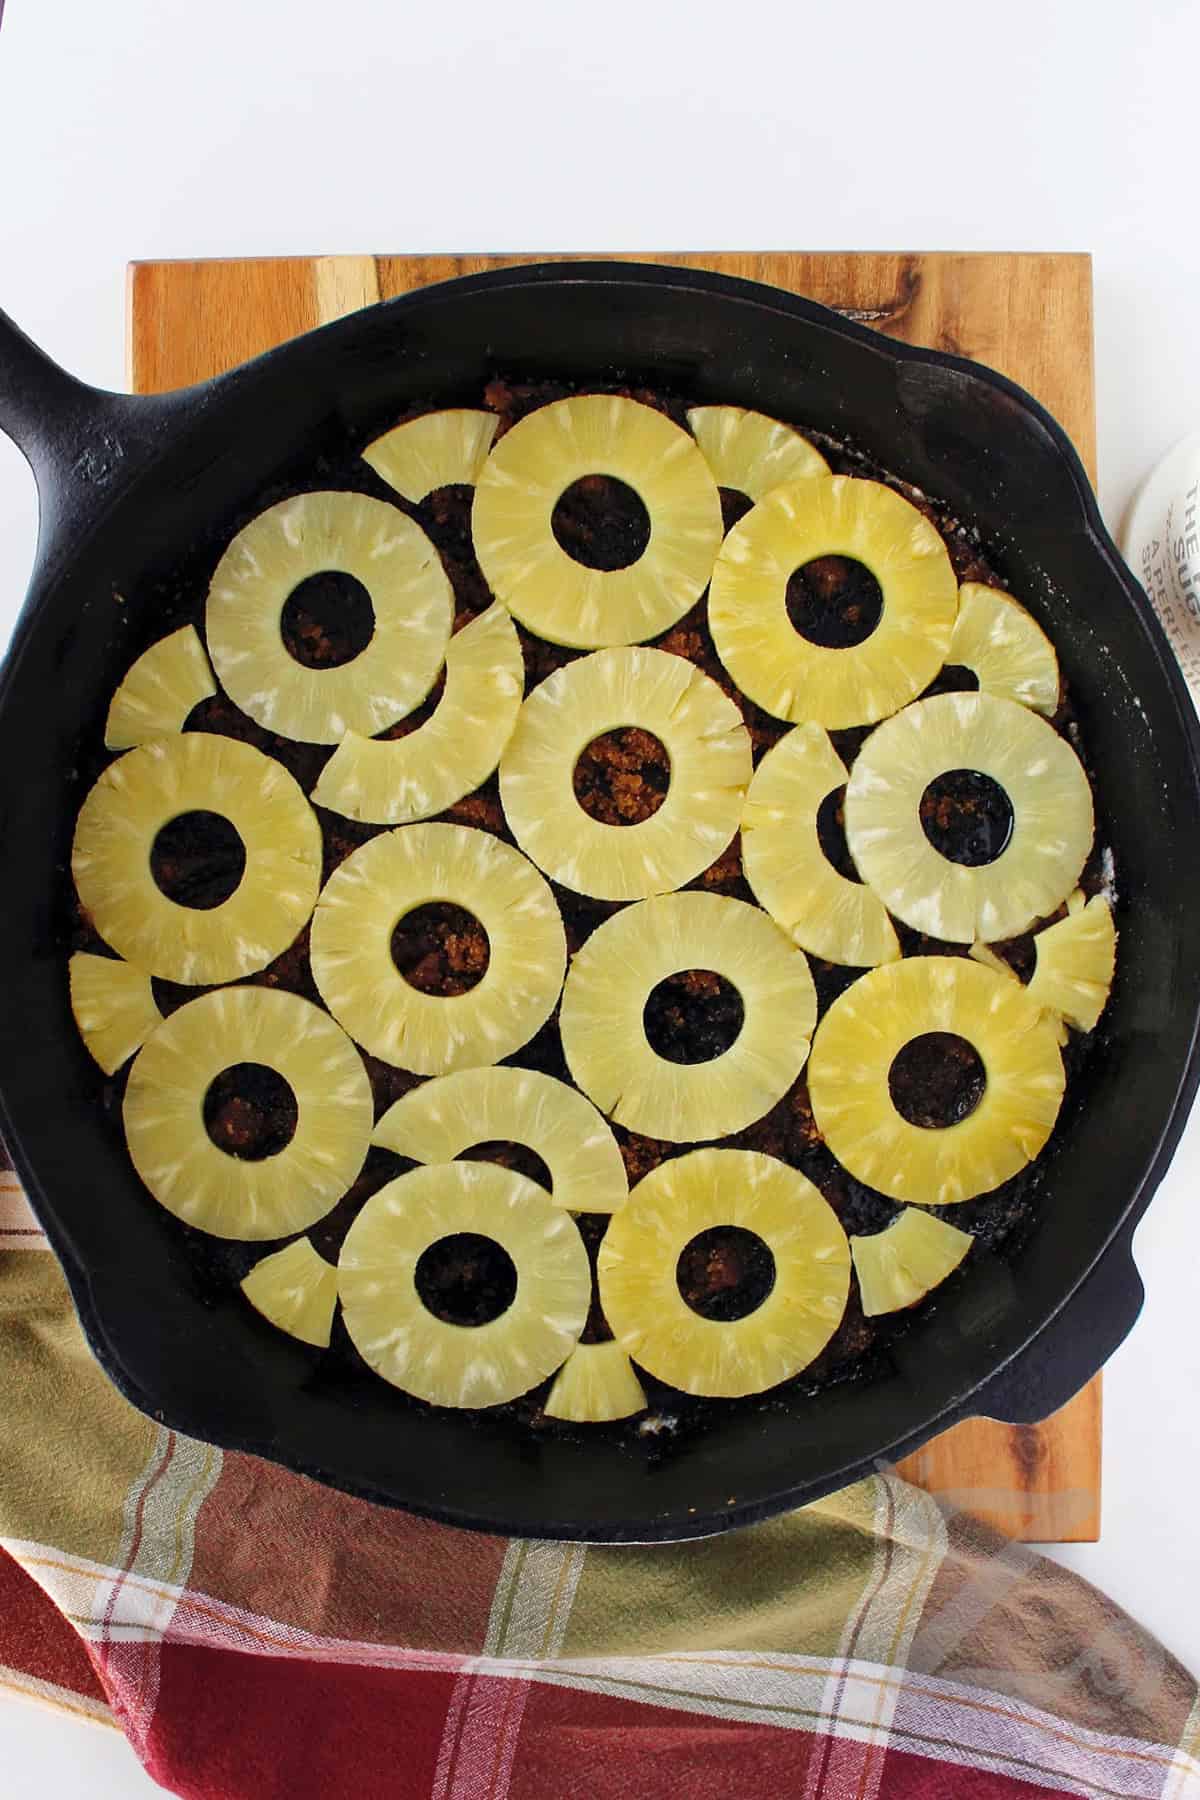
258,1636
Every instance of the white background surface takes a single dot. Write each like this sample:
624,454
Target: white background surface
153,128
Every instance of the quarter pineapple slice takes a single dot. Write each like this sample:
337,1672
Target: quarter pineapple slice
785,673
114,1007
1005,647
463,1365
710,755
143,791
315,534
750,453
525,476
604,1000
595,1385
440,449
860,1037
1075,961
400,780
900,1265
159,691
842,921
296,1289
389,877
164,1113
1047,790
437,1121
708,1189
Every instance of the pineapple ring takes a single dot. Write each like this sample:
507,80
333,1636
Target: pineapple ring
1046,788
439,1120
164,1117
709,748
159,691
463,1365
827,915
751,453
864,1031
640,1252
747,605
296,1290
398,781
440,449
899,1265
114,1007
612,977
1073,974
197,772
313,534
389,877
1005,648
525,566
595,1385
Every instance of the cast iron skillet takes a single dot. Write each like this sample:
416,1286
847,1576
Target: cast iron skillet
126,485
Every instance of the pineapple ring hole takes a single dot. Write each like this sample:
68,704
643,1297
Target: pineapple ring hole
441,949
466,1279
622,776
967,817
834,601
693,1016
250,1112
510,1155
725,1273
937,1080
327,620
198,859
831,834
601,522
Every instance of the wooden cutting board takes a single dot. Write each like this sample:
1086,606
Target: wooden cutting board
1028,315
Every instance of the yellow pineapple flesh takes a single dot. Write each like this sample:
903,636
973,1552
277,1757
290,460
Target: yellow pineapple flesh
398,781
1075,961
440,449
114,1007
710,766
208,1187
864,1031
840,920
1005,648
316,534
296,1290
389,877
706,1190
449,1364
159,691
785,673
440,1119
898,1266
595,1385
612,977
525,476
751,453
146,789
1047,790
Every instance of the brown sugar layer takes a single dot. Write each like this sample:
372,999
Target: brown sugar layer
623,776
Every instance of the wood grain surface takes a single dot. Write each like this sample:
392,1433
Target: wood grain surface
1027,315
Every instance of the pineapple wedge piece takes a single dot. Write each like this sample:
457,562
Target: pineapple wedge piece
611,979
389,877
164,1113
710,754
525,476
314,534
143,791
398,781
295,1289
864,1031
751,453
1005,648
827,915
463,1365
595,1385
440,449
114,1008
439,1120
159,691
640,1253
1075,961
900,1265
747,604
1047,790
